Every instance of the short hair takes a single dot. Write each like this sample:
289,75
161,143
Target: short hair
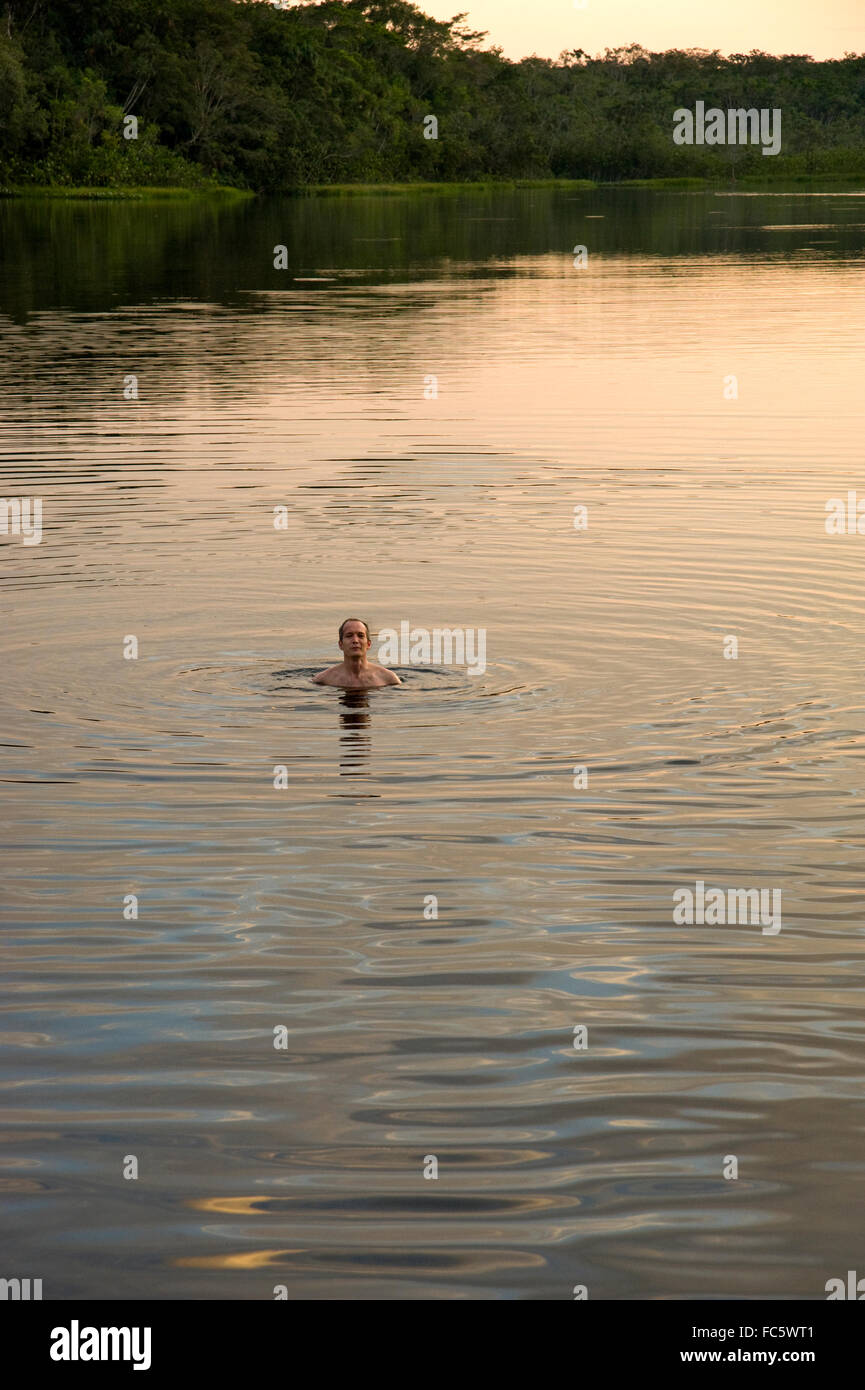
352,620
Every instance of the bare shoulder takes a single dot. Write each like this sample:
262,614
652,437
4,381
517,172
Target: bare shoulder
388,677
326,677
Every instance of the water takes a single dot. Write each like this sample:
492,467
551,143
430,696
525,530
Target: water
409,1036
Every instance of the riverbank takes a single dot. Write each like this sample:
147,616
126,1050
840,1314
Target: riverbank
143,194
368,190
347,190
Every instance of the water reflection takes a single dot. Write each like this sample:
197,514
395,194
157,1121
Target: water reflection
356,742
429,958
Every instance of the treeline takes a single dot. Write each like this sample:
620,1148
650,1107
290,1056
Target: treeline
246,93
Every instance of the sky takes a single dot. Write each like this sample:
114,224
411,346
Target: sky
825,29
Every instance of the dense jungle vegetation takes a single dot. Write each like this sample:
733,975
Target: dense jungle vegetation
246,93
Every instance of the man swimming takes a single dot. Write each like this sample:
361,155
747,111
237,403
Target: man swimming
356,671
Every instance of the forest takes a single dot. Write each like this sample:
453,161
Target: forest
269,98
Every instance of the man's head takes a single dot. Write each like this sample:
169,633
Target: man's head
354,638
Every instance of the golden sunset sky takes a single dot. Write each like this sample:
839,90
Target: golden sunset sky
826,29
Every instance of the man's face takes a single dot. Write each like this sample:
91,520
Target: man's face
354,639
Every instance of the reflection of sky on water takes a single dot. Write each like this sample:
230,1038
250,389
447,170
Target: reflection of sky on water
261,907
